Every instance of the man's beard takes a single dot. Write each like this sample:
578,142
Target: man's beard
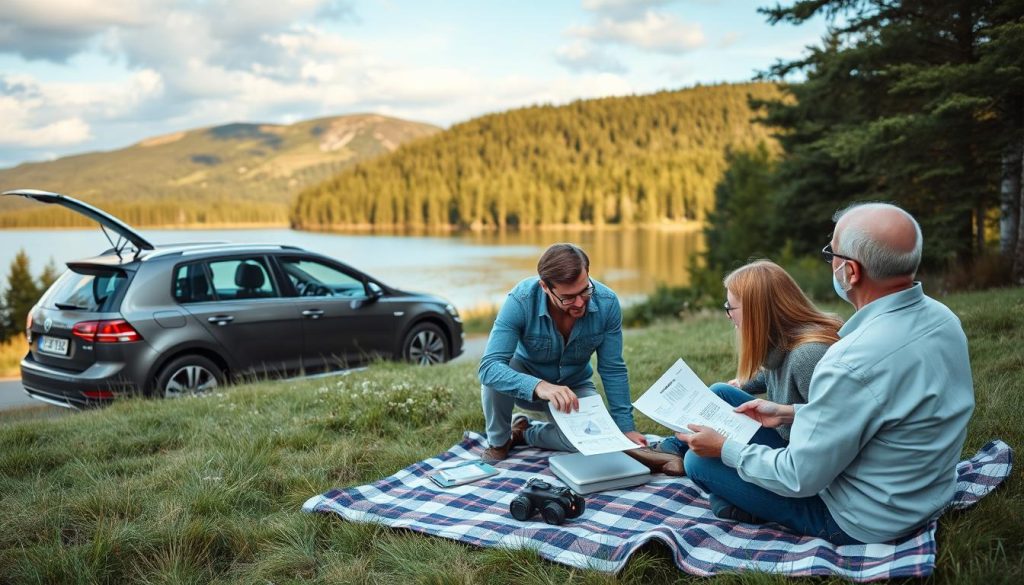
576,311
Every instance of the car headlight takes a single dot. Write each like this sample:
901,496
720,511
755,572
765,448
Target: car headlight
450,308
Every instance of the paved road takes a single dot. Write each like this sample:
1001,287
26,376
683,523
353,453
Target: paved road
13,396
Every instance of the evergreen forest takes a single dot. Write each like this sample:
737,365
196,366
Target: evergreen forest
652,159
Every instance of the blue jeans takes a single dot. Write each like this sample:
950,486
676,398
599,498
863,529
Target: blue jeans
807,516
498,417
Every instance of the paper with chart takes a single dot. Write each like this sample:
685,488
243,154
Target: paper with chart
679,398
591,429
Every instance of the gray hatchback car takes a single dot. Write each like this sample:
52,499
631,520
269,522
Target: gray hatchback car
168,321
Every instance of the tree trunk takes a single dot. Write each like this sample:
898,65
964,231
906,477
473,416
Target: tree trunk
1009,200
1018,259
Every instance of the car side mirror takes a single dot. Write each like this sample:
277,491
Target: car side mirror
373,292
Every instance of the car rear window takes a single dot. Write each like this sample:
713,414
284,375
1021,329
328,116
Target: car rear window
191,284
93,290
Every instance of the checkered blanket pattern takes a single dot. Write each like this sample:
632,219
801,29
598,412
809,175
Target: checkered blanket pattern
617,523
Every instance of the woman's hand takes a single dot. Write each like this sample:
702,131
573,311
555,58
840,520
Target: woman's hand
704,441
767,413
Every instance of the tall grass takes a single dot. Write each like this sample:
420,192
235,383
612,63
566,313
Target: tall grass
209,489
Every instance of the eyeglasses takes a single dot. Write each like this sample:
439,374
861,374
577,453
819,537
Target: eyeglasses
568,300
827,254
728,309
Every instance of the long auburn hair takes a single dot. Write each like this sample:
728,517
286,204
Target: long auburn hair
776,314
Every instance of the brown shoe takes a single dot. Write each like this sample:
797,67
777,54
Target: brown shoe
658,461
495,454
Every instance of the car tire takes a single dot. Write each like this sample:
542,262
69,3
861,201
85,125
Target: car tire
426,345
188,375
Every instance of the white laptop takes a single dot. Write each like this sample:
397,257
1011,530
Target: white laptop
587,474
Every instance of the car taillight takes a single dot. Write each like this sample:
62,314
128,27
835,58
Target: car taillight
98,394
113,331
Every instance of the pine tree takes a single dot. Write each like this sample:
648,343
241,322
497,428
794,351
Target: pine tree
914,101
49,276
21,293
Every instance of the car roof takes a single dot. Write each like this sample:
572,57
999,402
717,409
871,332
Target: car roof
200,249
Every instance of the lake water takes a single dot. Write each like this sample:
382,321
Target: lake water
472,270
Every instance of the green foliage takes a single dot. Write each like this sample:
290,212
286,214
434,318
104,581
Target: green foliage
919,102
49,275
368,403
740,226
628,160
707,293
210,489
233,174
21,294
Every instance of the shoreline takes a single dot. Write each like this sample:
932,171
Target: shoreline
393,230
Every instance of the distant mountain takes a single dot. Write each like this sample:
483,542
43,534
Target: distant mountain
649,159
232,174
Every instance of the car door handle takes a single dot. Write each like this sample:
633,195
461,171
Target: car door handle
221,320
313,313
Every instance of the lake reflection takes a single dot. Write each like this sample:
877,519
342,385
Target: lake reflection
472,270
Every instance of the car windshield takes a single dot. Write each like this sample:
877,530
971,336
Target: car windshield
91,292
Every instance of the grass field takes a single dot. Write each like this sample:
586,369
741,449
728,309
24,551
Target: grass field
209,489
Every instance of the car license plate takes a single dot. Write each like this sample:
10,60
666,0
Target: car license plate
54,345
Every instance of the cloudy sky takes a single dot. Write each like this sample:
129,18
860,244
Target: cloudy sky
85,75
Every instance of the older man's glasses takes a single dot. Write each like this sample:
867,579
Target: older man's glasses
571,299
827,254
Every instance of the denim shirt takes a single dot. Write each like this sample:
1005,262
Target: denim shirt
525,331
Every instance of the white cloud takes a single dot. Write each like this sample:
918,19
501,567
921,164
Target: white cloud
39,115
622,7
653,31
17,127
581,56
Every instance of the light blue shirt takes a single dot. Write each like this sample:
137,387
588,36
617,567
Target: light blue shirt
524,330
881,434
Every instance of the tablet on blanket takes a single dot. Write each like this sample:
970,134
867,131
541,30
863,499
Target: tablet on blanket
587,474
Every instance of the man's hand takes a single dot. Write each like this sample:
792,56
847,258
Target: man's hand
636,437
767,413
562,397
704,441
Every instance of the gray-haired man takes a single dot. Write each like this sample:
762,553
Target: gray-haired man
872,455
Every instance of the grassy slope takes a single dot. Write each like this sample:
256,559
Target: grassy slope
266,163
209,489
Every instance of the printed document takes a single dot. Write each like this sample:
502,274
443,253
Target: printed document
591,429
679,398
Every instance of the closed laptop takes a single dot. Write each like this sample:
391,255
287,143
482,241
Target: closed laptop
587,474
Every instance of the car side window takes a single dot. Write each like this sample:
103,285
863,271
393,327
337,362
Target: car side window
242,278
191,285
312,278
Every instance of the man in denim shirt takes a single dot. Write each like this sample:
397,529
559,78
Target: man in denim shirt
539,352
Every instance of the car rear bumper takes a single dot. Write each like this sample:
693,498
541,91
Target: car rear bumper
98,384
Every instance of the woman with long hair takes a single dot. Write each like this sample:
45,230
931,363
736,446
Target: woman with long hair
781,336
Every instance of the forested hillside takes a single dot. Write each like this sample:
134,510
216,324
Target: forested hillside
640,159
232,174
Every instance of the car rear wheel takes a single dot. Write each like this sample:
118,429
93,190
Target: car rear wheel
426,345
188,375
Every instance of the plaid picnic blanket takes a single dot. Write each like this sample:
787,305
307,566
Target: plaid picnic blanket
617,523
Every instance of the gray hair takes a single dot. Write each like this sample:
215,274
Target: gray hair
880,260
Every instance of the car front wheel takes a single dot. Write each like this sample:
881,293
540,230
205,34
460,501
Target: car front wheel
426,345
188,375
